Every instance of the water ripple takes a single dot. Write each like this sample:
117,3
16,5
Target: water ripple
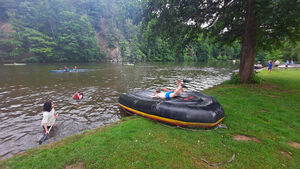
22,97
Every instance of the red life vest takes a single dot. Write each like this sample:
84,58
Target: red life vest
76,97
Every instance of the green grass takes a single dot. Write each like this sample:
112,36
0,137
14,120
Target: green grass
269,112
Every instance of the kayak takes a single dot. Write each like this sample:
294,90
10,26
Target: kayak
15,64
189,109
72,70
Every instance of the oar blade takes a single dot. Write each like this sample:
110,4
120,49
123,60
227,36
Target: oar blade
186,81
44,138
184,86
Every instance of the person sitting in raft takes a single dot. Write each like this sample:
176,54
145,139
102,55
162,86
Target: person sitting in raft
49,116
75,68
66,69
78,96
171,94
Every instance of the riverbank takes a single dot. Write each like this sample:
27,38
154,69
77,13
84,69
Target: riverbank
263,131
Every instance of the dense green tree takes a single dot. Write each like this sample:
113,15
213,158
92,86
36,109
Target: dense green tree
39,45
51,32
255,23
295,52
204,49
9,49
67,30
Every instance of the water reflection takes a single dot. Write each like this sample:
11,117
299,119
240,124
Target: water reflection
23,91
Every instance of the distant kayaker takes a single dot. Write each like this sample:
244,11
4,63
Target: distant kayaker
66,69
171,94
49,116
78,96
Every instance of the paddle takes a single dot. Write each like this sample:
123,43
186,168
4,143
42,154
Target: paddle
46,136
183,86
186,81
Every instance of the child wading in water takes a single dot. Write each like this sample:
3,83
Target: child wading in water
49,116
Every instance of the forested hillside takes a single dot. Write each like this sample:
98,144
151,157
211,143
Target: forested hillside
95,30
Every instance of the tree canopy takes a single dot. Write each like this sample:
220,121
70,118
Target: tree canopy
256,24
186,30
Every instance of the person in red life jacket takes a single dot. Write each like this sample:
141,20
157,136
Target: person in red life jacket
78,96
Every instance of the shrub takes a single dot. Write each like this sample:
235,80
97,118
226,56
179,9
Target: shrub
254,79
32,60
235,78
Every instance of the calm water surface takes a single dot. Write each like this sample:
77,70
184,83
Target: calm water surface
24,89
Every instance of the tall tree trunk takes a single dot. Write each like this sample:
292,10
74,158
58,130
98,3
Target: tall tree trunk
248,51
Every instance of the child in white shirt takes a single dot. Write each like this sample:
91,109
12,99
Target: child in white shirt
49,116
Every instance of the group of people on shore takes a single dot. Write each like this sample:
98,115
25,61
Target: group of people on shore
277,63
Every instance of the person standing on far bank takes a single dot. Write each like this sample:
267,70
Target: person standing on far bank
270,64
287,64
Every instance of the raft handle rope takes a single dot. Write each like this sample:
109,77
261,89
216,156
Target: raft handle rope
224,162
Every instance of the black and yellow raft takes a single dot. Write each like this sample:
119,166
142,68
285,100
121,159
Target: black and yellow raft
190,109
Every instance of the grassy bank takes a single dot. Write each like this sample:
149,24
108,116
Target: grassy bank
263,130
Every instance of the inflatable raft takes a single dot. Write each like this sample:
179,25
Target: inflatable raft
190,109
71,70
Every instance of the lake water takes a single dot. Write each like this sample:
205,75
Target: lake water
24,90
